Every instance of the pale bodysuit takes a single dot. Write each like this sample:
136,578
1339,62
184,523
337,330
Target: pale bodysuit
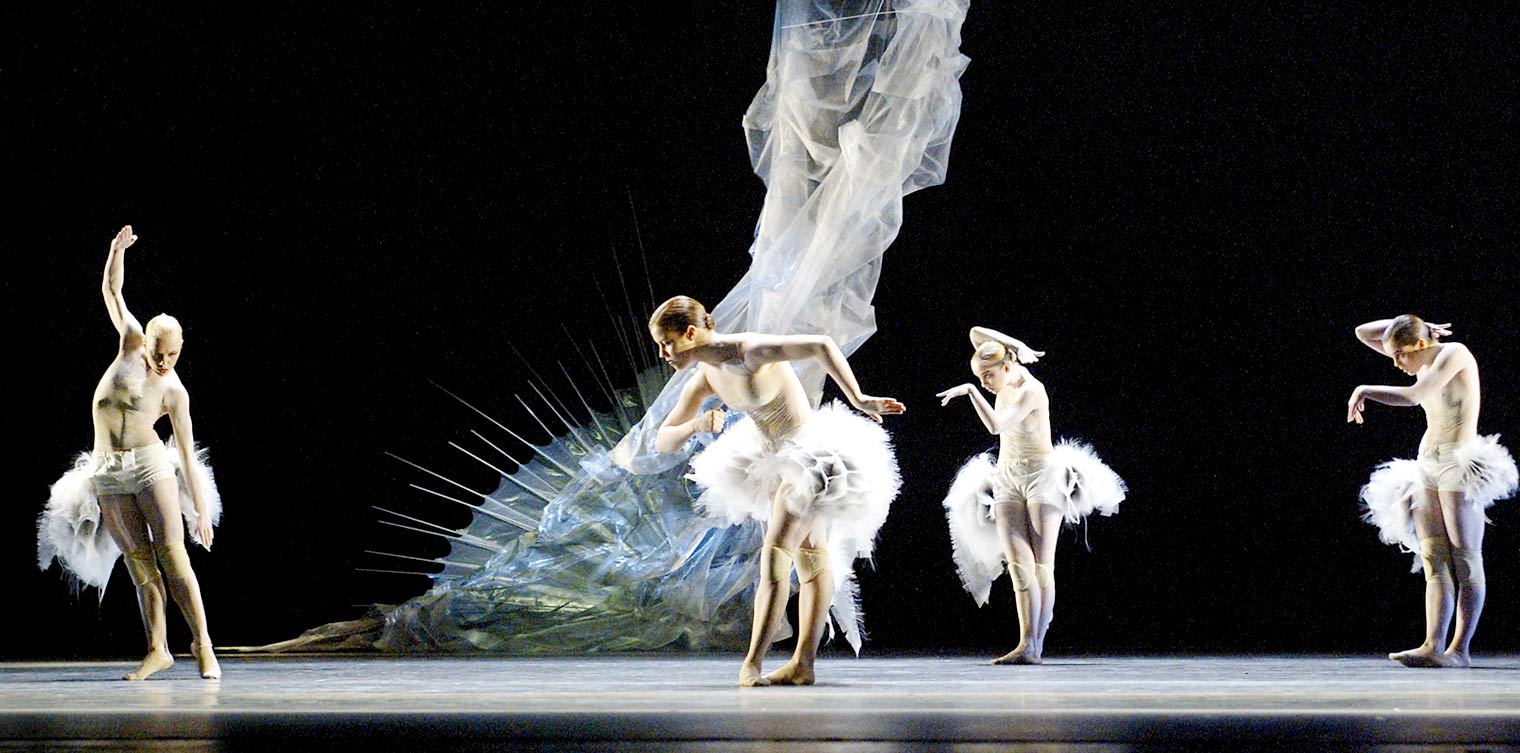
1451,419
1022,448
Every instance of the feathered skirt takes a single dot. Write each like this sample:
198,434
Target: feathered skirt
838,467
70,527
1072,478
1481,467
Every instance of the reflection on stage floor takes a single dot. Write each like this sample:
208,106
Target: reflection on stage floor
683,702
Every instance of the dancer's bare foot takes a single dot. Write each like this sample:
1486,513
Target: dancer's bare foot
158,659
206,658
1424,656
1021,654
749,676
792,673
1458,659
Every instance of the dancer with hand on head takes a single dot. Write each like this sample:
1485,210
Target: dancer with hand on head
1435,505
132,486
1010,513
821,481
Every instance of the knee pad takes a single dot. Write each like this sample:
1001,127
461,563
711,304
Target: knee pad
1435,558
1022,577
141,567
173,558
1469,565
1045,575
811,563
775,564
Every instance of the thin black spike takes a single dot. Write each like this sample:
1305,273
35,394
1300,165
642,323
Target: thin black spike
638,236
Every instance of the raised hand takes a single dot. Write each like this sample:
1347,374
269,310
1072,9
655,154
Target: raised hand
958,390
1439,330
876,407
1355,406
1026,354
124,239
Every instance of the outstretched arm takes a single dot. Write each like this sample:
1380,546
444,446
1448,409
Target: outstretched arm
684,421
1371,333
996,422
1453,358
1022,352
110,287
763,349
178,401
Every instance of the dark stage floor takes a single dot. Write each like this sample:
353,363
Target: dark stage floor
691,703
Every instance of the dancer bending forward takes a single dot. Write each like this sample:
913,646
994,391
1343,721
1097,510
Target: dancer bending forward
132,484
820,481
1011,513
1434,506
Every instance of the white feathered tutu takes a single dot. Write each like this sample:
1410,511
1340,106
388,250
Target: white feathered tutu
70,529
1394,490
1073,478
838,466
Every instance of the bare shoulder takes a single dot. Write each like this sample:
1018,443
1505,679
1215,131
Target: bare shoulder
174,391
1457,352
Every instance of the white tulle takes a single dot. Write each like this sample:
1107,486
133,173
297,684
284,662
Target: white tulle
860,102
838,467
1073,478
1395,488
975,544
1078,482
70,528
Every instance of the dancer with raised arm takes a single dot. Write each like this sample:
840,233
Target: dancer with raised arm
820,481
131,484
1434,506
1010,513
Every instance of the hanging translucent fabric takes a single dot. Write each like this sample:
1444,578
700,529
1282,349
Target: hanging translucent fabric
592,544
859,105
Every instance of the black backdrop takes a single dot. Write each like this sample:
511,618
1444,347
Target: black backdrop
1189,209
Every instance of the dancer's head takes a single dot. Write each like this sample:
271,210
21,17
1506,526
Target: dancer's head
1408,340
162,341
677,326
993,365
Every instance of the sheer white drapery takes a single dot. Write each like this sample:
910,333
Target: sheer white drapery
859,105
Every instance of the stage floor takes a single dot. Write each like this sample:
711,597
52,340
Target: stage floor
681,702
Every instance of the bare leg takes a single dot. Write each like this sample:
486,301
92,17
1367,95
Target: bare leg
124,521
1464,526
160,506
1435,558
1045,520
1012,519
781,539
815,595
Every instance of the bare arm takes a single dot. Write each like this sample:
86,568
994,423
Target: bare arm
178,402
1371,333
763,349
110,287
1022,352
1453,358
684,421
996,422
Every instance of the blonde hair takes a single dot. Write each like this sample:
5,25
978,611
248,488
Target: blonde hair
678,313
991,352
162,326
1406,330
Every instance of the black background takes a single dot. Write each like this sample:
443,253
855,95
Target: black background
1189,209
